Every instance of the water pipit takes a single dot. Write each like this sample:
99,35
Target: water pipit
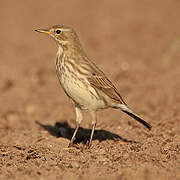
82,81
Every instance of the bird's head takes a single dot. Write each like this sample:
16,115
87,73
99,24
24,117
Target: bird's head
63,35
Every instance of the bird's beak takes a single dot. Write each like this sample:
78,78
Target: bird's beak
46,31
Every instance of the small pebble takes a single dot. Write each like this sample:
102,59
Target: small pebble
30,109
75,164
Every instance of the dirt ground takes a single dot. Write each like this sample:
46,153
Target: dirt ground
137,44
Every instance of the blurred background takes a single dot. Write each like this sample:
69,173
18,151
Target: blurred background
136,43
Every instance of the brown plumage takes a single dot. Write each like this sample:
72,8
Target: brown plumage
82,80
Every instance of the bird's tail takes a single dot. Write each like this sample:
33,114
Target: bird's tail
128,111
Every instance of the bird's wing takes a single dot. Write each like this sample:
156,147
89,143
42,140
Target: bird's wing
98,80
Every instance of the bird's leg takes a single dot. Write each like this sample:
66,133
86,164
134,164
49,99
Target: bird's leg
79,118
93,117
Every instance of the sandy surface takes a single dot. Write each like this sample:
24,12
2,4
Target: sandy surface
137,44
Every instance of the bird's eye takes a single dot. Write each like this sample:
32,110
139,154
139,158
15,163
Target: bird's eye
58,31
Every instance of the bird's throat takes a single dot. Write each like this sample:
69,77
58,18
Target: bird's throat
60,50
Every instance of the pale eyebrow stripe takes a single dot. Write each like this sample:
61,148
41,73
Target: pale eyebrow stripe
66,30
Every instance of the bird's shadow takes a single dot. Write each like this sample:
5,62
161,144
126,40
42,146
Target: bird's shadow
62,129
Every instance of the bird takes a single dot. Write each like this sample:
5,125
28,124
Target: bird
82,81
